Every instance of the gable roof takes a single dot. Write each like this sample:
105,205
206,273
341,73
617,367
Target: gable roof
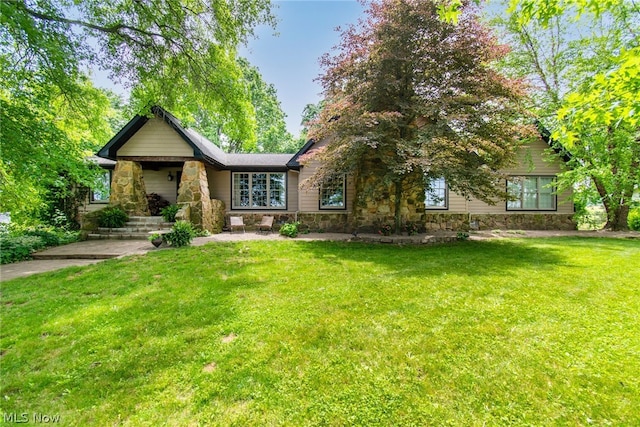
294,163
546,137
203,149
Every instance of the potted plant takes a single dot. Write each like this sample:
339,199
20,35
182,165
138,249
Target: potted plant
156,239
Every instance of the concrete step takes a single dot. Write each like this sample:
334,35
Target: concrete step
38,256
127,230
119,236
146,219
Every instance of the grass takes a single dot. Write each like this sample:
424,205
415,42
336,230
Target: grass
509,332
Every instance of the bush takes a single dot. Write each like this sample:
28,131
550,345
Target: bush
18,243
156,204
290,229
634,219
18,248
181,234
112,217
169,212
385,230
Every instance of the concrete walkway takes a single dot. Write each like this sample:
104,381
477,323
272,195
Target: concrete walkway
92,251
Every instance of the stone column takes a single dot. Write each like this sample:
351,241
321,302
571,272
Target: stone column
194,191
127,189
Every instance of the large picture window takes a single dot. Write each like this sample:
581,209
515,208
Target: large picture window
435,195
531,193
263,190
102,189
332,194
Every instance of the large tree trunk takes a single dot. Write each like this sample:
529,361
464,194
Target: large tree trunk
616,207
397,206
617,220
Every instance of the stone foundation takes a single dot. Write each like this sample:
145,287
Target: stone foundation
128,190
442,221
523,221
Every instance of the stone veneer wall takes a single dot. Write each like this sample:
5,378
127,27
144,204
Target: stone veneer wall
128,190
217,216
194,191
375,203
523,221
331,222
511,221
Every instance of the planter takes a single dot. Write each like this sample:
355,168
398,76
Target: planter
157,241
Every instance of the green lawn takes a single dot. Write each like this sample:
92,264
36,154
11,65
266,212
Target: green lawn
511,332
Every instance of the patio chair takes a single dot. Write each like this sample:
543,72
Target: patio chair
266,225
236,222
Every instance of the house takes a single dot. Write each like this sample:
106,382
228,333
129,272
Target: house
158,155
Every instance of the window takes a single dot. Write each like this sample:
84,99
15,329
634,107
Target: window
435,196
102,189
332,195
259,190
531,193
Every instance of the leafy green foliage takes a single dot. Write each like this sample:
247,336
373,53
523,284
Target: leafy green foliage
271,131
169,212
46,141
587,83
408,94
634,219
112,217
508,332
178,54
290,229
18,243
181,234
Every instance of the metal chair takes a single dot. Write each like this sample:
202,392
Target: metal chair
266,225
236,222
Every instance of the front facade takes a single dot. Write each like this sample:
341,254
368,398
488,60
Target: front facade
158,155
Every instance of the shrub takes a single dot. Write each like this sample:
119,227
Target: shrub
385,230
156,204
181,234
112,217
412,228
290,229
18,248
18,243
169,212
462,235
634,219
48,236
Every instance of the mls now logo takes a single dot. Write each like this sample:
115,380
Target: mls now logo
36,418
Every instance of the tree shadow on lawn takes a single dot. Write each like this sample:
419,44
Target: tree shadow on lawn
122,324
471,258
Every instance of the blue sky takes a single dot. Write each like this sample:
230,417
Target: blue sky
287,57
289,60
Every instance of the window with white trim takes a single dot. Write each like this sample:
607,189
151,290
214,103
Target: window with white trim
102,190
531,193
261,190
332,194
435,195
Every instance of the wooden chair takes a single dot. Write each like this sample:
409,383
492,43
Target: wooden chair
266,225
236,222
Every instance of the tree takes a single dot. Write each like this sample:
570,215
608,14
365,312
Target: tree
588,92
174,52
46,139
409,96
180,54
271,131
